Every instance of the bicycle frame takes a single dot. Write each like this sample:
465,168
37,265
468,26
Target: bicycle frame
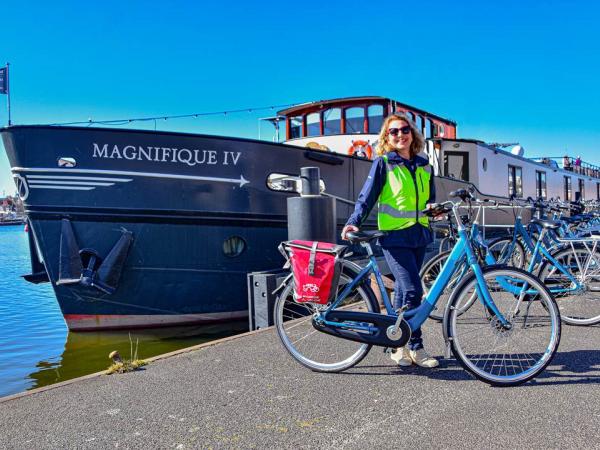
416,317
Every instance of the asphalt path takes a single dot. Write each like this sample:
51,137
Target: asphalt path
248,393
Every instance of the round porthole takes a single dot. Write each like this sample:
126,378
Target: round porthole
484,164
234,246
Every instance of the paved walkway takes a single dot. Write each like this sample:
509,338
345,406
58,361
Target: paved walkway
248,393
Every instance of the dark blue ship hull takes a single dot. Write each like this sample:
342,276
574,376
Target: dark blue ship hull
138,228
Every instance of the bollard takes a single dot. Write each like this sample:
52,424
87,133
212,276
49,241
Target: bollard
311,217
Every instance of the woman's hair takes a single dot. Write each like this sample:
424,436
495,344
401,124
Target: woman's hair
418,141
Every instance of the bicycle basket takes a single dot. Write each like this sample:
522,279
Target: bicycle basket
316,269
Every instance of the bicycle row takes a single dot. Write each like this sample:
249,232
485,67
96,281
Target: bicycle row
501,323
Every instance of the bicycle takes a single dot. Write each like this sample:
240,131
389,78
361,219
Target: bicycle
505,338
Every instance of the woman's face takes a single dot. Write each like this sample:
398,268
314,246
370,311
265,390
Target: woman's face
399,136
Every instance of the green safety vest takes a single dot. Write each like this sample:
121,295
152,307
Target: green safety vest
403,197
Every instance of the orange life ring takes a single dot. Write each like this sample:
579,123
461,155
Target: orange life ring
361,145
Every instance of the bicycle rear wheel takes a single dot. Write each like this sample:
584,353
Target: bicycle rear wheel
577,306
313,349
505,251
499,355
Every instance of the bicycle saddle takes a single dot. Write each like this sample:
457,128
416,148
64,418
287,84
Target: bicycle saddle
364,236
549,224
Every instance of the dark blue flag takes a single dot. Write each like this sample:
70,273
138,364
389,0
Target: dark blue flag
3,80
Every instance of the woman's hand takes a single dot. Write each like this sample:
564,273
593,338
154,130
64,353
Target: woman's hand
348,229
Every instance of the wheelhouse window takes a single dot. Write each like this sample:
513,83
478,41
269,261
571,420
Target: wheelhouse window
332,121
456,165
515,181
428,128
439,130
313,124
355,120
410,115
419,123
375,118
568,189
540,184
581,189
296,127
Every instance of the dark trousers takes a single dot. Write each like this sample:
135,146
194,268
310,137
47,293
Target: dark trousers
405,264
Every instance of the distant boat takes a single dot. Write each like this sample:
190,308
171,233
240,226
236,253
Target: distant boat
138,228
11,218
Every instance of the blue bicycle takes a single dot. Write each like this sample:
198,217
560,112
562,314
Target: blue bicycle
507,335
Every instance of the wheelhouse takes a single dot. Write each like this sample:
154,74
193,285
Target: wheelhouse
354,117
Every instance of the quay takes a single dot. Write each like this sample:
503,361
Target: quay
246,392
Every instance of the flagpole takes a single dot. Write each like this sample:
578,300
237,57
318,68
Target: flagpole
8,91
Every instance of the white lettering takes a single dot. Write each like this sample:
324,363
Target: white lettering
187,160
100,153
147,154
196,156
212,157
132,148
115,152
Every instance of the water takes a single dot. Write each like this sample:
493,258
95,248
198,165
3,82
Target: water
36,348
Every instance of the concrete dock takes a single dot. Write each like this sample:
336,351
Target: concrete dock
246,392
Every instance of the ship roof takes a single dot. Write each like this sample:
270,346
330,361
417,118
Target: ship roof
319,104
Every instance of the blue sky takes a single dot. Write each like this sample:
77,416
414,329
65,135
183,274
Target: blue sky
506,71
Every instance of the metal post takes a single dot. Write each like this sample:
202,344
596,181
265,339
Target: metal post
310,177
8,92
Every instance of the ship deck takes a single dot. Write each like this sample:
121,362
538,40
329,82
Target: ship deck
246,392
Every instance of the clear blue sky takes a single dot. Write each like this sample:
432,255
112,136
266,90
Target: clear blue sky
506,71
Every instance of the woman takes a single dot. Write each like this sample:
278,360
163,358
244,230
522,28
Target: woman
401,183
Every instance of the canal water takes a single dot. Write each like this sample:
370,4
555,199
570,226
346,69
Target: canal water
36,348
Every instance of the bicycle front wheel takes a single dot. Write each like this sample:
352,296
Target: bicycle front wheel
429,274
313,349
504,355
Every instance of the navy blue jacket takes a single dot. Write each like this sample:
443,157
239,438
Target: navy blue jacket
415,236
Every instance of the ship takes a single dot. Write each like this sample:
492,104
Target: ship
137,228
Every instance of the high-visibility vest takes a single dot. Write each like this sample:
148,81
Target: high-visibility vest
403,196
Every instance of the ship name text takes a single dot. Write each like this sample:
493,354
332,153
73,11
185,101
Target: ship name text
166,154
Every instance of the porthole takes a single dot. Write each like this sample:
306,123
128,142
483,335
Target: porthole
234,246
484,164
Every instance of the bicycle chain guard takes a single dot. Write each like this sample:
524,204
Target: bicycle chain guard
379,321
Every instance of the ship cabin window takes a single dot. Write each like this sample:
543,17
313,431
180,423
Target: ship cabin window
296,127
438,130
375,118
313,124
581,189
515,181
540,184
355,119
568,189
456,165
410,115
428,128
332,121
419,123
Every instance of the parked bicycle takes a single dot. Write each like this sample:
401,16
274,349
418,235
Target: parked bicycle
508,334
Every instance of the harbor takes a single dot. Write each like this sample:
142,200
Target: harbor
37,348
233,227
246,392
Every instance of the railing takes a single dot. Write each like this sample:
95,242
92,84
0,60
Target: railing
575,165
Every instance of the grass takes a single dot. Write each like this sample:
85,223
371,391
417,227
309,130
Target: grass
126,365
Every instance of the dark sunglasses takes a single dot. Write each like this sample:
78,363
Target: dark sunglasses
395,131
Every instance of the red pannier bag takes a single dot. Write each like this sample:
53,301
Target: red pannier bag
316,270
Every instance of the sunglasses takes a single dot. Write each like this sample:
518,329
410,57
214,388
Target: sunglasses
396,131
